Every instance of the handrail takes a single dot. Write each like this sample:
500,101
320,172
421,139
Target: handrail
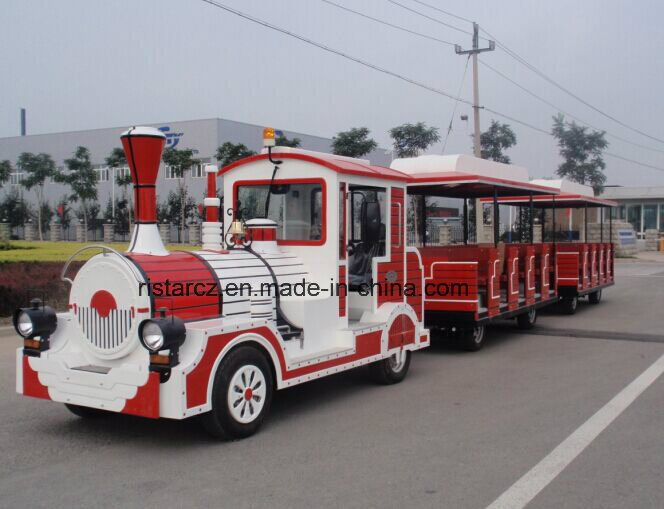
104,248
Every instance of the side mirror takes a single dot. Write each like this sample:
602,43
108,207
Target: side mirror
370,223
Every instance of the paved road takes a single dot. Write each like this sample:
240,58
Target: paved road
457,433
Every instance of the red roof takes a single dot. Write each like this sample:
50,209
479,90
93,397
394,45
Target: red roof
565,199
339,165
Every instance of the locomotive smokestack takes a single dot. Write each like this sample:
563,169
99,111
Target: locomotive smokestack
143,147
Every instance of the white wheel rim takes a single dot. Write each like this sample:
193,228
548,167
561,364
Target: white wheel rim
574,301
478,334
246,394
398,361
531,315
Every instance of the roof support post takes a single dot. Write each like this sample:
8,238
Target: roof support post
424,221
532,219
610,225
553,208
465,221
496,218
585,223
601,224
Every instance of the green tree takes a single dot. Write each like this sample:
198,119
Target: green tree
230,152
90,216
179,208
14,210
43,216
353,143
495,140
5,170
82,179
283,141
581,150
63,211
117,159
37,168
410,140
180,161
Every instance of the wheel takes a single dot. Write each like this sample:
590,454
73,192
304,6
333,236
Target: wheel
241,394
595,297
526,321
472,339
86,412
391,370
569,304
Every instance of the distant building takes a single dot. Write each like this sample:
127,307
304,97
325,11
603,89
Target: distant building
202,136
643,207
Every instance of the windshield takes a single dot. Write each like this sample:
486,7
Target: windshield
297,208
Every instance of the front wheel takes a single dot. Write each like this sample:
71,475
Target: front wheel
391,370
472,339
241,394
569,304
595,297
526,321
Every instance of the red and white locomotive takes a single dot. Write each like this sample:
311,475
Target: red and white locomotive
212,333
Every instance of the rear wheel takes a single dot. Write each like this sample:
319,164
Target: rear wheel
569,304
472,339
527,320
241,394
86,412
391,370
595,297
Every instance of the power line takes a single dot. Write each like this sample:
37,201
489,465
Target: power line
394,74
443,11
541,99
534,69
456,103
386,23
435,20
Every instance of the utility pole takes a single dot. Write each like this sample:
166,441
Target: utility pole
476,50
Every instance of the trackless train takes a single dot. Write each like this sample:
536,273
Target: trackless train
311,276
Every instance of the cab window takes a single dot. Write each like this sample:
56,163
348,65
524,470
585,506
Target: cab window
297,208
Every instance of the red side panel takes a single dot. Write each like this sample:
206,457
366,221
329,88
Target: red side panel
31,384
146,401
402,332
414,288
342,290
512,276
568,265
391,276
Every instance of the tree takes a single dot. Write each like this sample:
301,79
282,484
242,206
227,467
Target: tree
353,143
118,159
5,171
91,212
43,216
411,139
178,209
37,168
180,161
14,210
82,179
63,212
495,140
283,141
581,150
230,152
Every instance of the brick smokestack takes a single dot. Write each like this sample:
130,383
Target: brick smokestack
143,147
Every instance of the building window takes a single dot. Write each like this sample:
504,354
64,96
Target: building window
198,170
15,178
102,174
173,173
661,217
650,217
121,173
634,217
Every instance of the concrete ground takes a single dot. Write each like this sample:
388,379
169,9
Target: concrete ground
458,432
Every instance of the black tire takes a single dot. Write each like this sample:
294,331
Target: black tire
225,422
388,371
526,321
86,412
569,304
595,297
471,339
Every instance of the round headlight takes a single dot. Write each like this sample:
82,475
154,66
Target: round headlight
24,324
153,337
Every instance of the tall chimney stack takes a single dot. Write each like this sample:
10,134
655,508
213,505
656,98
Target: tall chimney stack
143,147
22,121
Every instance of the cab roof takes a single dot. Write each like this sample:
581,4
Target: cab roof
339,164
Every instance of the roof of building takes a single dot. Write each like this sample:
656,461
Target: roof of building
634,193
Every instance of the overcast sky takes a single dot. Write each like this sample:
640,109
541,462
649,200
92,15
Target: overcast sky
91,63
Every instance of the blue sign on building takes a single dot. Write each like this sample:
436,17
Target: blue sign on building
172,139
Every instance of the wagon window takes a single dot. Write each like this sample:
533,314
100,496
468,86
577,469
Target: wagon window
297,208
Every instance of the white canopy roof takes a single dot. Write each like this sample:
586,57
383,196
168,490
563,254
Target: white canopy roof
460,163
566,186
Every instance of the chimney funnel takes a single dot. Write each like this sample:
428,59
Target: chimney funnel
143,147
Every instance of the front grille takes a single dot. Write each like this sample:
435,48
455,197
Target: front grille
107,333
